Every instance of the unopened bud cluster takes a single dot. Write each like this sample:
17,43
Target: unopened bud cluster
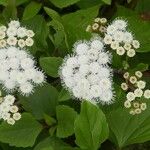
8,110
15,35
99,25
136,92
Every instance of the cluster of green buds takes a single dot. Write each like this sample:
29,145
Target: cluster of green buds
136,92
98,26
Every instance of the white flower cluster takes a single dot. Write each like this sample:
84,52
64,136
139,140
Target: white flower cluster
15,35
98,25
120,39
134,99
86,73
18,71
8,110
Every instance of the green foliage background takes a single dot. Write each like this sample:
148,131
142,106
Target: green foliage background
51,119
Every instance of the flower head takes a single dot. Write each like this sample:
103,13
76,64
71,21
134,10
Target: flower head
86,74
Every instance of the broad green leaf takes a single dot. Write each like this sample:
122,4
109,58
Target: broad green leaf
20,2
42,101
64,95
63,3
22,134
142,6
51,65
52,143
127,129
66,117
75,24
91,128
49,120
52,13
107,1
141,67
88,3
3,2
10,10
31,10
137,26
39,26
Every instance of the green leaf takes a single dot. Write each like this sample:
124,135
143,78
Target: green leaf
39,26
88,3
75,24
66,117
107,1
64,95
127,129
141,67
137,26
63,3
52,13
42,101
49,120
52,143
22,134
51,65
31,10
10,10
91,128
142,6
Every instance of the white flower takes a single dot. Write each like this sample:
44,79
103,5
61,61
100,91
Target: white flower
16,116
124,86
105,83
141,84
30,73
95,26
21,43
143,106
3,28
39,77
104,58
89,28
20,78
29,41
94,67
120,51
30,33
2,35
128,37
9,84
83,59
26,88
13,109
107,39
137,111
93,54
107,97
84,69
114,45
147,94
14,24
127,46
136,44
11,52
11,31
127,104
12,41
138,74
27,63
10,99
81,48
11,121
97,20
111,29
97,44
131,53
13,63
72,61
138,92
133,79
2,43
118,36
120,24
95,91
104,72
21,32
130,96
103,20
